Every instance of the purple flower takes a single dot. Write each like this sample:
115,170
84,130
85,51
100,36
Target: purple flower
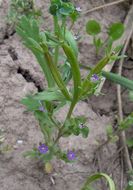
94,78
78,9
41,108
43,149
71,155
81,126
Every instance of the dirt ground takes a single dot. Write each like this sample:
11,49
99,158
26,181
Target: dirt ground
20,75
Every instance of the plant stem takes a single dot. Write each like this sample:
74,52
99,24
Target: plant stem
75,71
56,75
57,33
56,55
67,117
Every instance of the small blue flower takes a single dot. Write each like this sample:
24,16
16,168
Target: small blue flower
94,78
43,149
71,155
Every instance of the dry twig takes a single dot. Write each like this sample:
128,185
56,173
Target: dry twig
103,6
125,155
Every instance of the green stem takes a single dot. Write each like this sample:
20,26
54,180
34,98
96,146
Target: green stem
53,121
75,71
63,26
57,33
77,83
56,75
95,44
43,63
56,26
56,55
67,117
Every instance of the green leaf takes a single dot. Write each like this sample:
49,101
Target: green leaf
71,41
93,27
28,29
30,103
31,154
130,142
127,122
116,57
116,30
66,72
130,186
72,126
131,95
65,11
33,45
109,130
118,79
51,94
85,132
97,176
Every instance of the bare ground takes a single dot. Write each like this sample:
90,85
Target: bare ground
20,75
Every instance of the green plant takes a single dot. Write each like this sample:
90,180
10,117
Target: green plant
59,70
18,8
93,178
115,31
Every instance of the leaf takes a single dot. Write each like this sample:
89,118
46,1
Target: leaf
65,11
130,186
85,132
130,143
131,95
97,176
116,30
116,57
66,72
127,122
28,29
30,103
93,27
72,126
31,154
118,79
33,45
52,94
72,42
109,130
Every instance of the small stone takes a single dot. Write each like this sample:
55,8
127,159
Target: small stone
19,141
